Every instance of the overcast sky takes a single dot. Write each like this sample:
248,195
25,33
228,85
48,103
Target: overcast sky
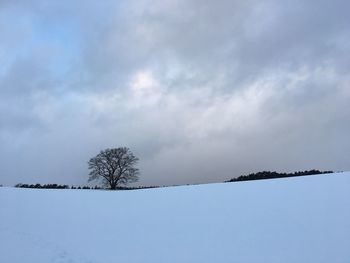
199,90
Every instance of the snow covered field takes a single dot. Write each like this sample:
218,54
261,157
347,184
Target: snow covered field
303,219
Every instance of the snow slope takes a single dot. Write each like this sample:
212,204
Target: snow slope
304,219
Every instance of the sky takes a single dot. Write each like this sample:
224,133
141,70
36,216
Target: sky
200,91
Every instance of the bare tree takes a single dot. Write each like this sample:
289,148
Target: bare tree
114,167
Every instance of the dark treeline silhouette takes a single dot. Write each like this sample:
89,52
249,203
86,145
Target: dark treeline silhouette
44,186
249,177
273,175
57,186
87,187
137,187
117,188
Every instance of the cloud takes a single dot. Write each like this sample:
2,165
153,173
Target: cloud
201,91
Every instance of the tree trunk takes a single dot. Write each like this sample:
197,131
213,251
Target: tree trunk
113,186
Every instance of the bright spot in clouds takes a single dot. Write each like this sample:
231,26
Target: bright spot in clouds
201,91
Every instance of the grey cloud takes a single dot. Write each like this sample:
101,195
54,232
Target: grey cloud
202,91
24,77
225,42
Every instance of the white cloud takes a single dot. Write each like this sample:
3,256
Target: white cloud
224,87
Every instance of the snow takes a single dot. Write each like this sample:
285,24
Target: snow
303,219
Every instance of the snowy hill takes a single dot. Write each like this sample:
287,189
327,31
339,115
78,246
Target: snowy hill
304,219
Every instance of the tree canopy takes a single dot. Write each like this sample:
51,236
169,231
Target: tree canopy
114,167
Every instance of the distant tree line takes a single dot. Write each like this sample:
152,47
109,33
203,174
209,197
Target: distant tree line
137,187
87,187
58,186
273,175
44,186
249,177
117,188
